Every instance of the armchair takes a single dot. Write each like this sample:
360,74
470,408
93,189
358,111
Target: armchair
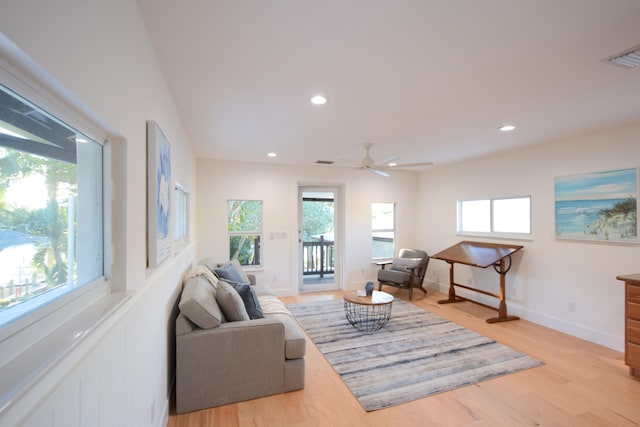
407,271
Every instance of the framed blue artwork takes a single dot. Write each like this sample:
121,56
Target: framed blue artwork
159,237
599,206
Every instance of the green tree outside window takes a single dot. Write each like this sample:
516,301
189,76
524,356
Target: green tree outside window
245,231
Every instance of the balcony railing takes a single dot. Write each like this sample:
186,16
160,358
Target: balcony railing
318,258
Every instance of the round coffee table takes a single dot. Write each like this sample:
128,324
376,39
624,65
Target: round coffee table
365,315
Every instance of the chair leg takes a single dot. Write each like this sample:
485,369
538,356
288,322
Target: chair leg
410,292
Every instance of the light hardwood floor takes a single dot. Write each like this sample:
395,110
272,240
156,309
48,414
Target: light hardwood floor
581,384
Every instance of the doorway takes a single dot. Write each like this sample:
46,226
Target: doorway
319,238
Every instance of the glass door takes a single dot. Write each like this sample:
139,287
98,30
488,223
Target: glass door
318,238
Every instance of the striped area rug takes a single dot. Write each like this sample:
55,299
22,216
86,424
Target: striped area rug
415,355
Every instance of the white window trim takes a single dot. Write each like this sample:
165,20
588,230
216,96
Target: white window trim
494,234
46,326
260,233
182,241
394,230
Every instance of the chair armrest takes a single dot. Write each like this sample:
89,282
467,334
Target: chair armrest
383,264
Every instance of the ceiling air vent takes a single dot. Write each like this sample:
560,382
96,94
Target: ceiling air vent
629,58
324,162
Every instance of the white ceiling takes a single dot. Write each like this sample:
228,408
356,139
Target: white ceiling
425,80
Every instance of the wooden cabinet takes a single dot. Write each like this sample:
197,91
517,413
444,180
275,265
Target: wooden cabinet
632,322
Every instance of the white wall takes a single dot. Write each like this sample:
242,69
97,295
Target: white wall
99,51
118,375
277,187
548,274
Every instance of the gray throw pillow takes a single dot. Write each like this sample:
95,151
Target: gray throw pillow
232,272
230,302
249,298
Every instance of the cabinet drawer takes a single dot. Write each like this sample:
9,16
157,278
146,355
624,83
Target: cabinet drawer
633,331
633,311
632,355
633,293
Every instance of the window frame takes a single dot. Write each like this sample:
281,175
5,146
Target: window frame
492,233
392,230
23,76
248,233
182,213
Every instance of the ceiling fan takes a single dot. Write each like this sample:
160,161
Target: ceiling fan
381,168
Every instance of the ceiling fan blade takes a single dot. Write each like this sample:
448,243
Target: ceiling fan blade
378,171
386,162
411,165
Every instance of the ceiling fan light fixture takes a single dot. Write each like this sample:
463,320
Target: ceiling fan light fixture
319,100
392,164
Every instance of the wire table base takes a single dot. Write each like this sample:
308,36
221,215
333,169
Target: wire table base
364,315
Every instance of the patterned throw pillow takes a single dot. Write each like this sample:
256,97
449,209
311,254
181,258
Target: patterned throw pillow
249,298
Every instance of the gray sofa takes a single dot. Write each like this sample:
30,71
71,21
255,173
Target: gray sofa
221,359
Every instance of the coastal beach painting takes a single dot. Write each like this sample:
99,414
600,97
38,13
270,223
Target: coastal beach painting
600,206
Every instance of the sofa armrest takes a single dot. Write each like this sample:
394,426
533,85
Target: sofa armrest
233,362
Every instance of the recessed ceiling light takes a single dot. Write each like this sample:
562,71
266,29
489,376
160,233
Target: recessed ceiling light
272,154
319,100
392,164
507,128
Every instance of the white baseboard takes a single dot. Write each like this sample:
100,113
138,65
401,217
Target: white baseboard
557,324
167,402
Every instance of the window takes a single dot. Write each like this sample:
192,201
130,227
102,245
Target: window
383,230
245,231
500,217
51,208
182,216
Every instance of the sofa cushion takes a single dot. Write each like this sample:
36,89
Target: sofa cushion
208,263
233,272
198,303
249,298
230,302
261,289
201,270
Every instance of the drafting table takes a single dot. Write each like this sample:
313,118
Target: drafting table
482,255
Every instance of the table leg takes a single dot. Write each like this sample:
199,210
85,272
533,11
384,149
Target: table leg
452,290
502,308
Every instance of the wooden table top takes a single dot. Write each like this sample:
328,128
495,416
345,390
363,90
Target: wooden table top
353,297
631,278
477,254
